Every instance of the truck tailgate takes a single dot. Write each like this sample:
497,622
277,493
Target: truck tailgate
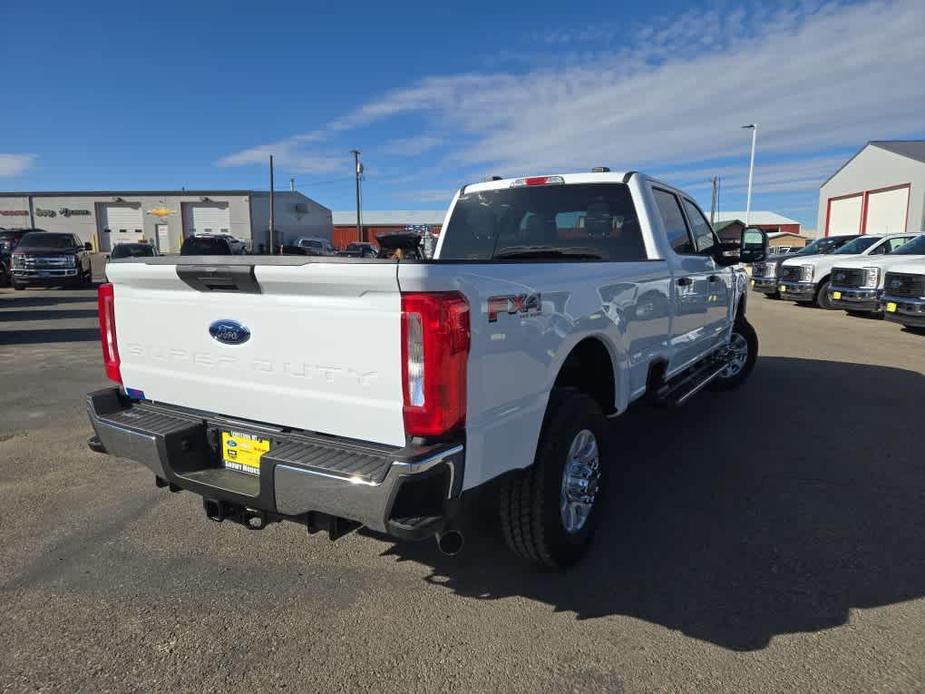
324,352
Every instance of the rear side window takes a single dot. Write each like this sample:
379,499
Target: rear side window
669,209
897,243
700,227
587,221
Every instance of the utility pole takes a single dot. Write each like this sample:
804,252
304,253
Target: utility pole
358,171
751,171
291,185
271,206
713,200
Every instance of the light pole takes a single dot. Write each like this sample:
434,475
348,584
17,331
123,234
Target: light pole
358,170
751,171
271,234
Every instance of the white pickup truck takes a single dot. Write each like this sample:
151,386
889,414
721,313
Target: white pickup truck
903,296
808,280
857,283
339,392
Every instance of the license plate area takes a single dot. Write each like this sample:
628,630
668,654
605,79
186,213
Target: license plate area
242,451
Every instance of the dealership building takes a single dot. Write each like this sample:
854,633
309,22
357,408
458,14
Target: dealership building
880,190
165,218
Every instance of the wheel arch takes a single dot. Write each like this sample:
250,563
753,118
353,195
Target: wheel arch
591,369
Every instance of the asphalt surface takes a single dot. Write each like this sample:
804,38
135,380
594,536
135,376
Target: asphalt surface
768,539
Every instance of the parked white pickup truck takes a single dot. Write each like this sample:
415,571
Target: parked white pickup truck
807,280
858,282
344,391
903,296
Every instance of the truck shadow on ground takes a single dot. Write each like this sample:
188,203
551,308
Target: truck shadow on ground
771,510
46,297
47,307
52,314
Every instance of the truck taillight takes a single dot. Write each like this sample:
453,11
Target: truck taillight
435,352
107,309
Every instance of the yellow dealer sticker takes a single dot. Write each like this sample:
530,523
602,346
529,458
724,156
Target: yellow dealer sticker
242,452
890,307
836,295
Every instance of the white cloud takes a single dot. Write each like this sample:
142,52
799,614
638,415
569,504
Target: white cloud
15,164
290,155
779,176
411,146
816,76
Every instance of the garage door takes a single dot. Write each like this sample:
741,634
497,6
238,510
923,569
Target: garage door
207,219
886,211
844,216
121,224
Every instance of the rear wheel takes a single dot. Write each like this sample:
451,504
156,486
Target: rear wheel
549,512
743,353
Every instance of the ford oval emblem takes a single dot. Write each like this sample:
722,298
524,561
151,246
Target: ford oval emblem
229,332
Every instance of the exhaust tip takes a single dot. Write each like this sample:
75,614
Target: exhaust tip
214,510
451,542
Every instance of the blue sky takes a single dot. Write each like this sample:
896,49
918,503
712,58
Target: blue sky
123,95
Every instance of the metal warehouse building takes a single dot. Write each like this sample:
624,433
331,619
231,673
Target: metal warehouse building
881,189
165,218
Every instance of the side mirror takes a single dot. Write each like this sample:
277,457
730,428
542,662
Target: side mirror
88,246
753,246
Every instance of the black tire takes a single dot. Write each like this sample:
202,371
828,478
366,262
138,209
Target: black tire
734,377
823,300
531,518
16,285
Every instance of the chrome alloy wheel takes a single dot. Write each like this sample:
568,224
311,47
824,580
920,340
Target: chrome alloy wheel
738,355
579,481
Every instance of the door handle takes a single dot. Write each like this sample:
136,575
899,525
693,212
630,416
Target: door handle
684,281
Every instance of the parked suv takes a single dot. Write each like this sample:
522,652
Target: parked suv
133,250
857,283
765,273
807,280
46,258
315,246
205,245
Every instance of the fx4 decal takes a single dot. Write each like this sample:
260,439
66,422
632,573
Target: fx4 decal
527,304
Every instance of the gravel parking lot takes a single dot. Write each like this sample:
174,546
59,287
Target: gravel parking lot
769,539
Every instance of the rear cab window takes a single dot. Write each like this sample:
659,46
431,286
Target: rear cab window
578,221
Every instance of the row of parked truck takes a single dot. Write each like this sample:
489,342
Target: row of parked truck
861,274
